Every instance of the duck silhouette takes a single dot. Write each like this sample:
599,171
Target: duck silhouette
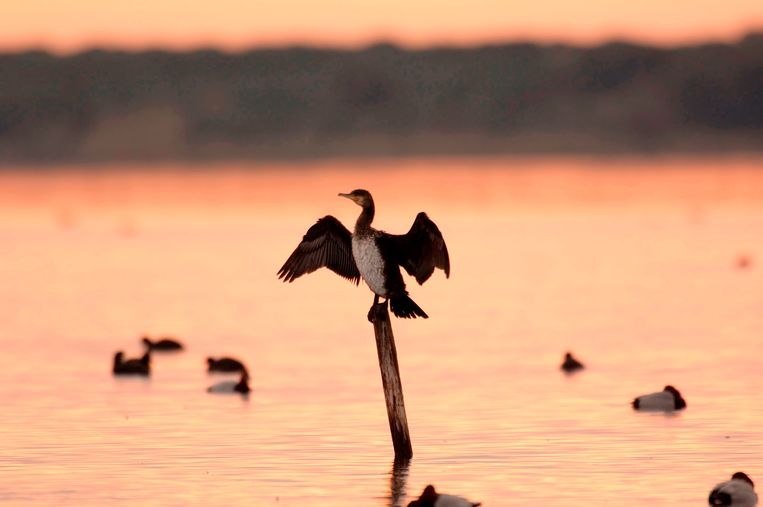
737,492
667,400
124,366
164,344
431,498
224,364
571,364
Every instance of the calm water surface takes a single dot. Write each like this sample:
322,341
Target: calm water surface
631,264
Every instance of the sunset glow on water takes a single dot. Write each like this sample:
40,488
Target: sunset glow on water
632,264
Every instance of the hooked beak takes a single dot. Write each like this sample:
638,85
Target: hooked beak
348,196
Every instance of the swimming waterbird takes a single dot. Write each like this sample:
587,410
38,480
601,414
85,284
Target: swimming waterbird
124,366
737,492
571,364
431,498
224,364
163,344
667,400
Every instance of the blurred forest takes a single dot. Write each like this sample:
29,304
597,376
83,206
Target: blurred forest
382,100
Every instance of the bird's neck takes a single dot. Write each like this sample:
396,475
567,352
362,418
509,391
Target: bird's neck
365,218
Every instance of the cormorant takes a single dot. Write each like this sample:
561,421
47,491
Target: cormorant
431,498
372,254
667,400
140,366
163,344
224,364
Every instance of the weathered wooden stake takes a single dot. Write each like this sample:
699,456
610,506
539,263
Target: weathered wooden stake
393,388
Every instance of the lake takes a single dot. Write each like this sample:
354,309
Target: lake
650,270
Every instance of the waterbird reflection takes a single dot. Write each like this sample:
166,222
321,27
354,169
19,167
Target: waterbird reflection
231,386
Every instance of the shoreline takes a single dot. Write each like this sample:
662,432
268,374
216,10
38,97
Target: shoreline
525,145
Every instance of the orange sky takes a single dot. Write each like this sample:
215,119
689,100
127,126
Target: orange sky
67,25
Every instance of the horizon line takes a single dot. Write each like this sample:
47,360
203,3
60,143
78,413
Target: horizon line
322,45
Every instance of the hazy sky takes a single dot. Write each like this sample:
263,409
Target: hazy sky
66,25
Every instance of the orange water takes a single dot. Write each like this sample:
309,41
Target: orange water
631,264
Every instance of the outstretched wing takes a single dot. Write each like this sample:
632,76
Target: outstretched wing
420,250
327,243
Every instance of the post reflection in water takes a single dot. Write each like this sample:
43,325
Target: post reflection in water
397,481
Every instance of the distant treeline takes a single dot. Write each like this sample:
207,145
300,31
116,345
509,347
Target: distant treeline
302,102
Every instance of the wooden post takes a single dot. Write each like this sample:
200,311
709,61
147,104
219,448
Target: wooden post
393,388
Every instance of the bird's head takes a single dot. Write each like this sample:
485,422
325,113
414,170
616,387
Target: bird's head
741,476
243,384
428,497
360,197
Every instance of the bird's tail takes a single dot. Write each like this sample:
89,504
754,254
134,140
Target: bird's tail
404,308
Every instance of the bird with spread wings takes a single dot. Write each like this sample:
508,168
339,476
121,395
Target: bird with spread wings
371,254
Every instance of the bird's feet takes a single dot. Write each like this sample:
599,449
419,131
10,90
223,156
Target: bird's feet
376,307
